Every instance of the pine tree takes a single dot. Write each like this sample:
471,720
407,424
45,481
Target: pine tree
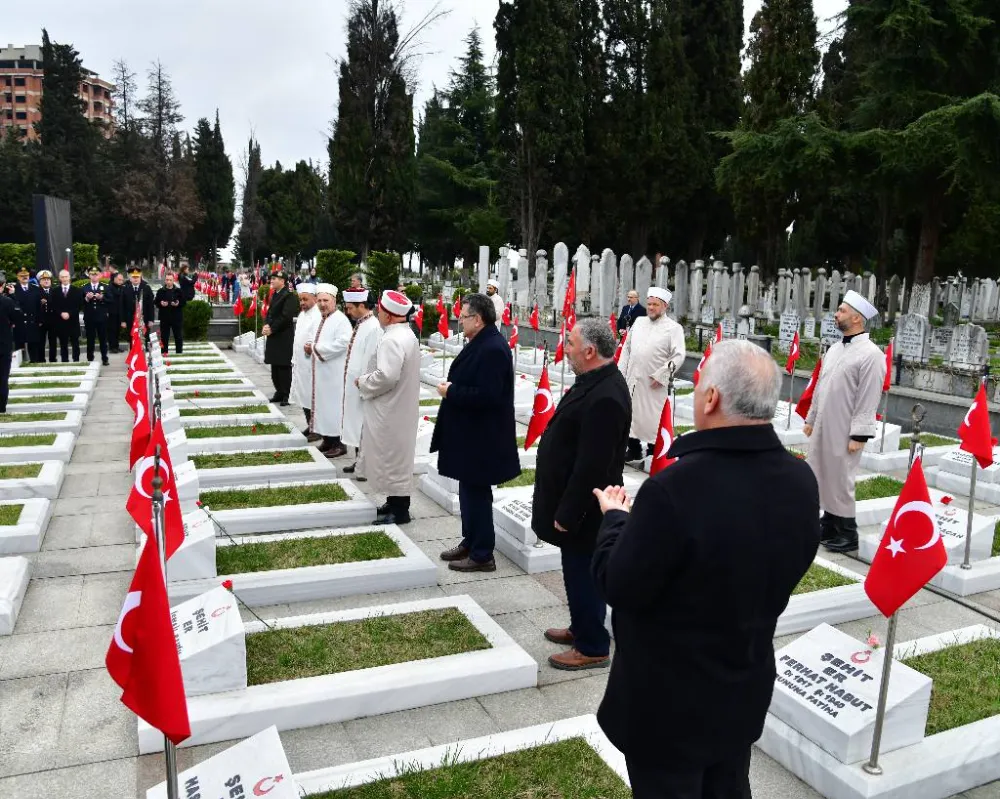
216,188
252,227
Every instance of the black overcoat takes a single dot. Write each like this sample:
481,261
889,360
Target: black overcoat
129,292
170,312
477,416
70,303
28,300
9,317
582,449
697,575
281,313
629,314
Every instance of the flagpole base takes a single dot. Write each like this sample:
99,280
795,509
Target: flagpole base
966,566
875,771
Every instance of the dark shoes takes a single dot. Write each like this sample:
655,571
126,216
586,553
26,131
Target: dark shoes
455,553
397,512
284,403
560,635
312,437
105,361
470,565
571,660
842,543
839,534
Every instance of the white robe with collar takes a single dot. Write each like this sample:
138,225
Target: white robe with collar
329,356
650,348
305,330
364,342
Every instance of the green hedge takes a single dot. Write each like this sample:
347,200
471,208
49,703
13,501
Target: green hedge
382,271
336,266
415,292
84,281
14,256
431,317
197,315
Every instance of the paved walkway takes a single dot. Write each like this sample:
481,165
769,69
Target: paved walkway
63,731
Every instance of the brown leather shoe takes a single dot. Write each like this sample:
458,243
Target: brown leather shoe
470,565
560,635
455,553
314,437
571,660
335,452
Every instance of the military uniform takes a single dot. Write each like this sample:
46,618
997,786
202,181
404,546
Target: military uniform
27,333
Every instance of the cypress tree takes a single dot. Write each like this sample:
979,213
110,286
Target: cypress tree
216,188
252,227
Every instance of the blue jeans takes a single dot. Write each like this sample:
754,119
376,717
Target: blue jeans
586,606
478,535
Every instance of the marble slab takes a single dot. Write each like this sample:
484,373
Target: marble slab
46,485
530,558
180,383
898,460
831,605
71,424
195,558
19,388
15,572
188,486
278,586
170,417
319,469
333,698
79,402
29,531
177,446
61,450
206,446
959,463
270,416
211,642
206,398
59,371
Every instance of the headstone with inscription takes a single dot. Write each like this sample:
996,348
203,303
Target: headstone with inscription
960,463
728,327
809,327
941,341
827,688
952,523
950,314
969,346
211,643
829,333
788,326
912,337
513,516
707,314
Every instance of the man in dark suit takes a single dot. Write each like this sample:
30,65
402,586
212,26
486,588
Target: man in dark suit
186,283
170,306
630,312
27,333
95,314
8,319
46,318
115,292
137,291
697,574
582,449
477,406
279,329
67,302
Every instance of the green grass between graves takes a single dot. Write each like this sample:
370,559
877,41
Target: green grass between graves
78,373
212,394
291,654
208,381
272,497
521,439
929,440
235,460
225,411
880,487
683,392
51,398
818,578
20,471
43,384
50,416
9,514
28,440
966,683
681,429
229,431
298,553
429,403
526,478
568,769
996,540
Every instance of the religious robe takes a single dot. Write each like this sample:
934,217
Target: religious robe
333,334
367,334
650,348
390,393
498,306
305,331
844,404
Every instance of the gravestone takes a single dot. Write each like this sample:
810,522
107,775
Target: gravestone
697,288
941,341
484,268
912,337
560,266
513,516
935,298
809,327
609,278
960,463
829,333
718,288
707,314
753,289
950,314
522,287
541,280
835,291
893,299
680,308
508,259
626,278
966,299
969,346
827,688
662,276
581,262
744,329
211,643
820,295
728,327
788,326
644,277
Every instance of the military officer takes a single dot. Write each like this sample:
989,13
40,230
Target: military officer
95,314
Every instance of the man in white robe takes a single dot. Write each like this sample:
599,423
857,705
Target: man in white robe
655,342
390,393
493,292
842,419
329,356
305,329
367,334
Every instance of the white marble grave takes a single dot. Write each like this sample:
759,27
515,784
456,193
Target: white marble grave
27,534
211,642
227,416
79,402
46,485
60,450
517,541
899,459
318,469
830,605
72,422
195,558
205,446
15,573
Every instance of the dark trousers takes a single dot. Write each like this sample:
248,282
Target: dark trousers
587,610
5,355
175,326
281,376
478,535
36,349
97,329
728,779
67,337
114,332
53,339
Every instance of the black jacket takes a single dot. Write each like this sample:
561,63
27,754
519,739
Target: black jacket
479,413
129,302
29,304
629,314
46,316
95,309
186,282
697,575
281,315
582,449
170,312
9,316
114,298
71,303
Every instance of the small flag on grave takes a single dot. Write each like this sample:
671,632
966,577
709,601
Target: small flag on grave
805,401
888,368
974,432
238,307
443,328
701,364
794,353
514,336
506,314
418,319
543,411
560,347
534,318
664,440
140,498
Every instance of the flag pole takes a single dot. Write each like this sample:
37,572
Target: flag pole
672,394
791,394
973,471
872,767
885,406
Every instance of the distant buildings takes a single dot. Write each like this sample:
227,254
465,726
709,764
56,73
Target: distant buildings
21,72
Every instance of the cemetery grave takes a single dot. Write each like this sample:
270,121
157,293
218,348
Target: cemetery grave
29,422
236,468
42,446
23,523
15,573
28,480
827,593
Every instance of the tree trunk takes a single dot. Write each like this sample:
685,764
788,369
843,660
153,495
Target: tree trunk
930,238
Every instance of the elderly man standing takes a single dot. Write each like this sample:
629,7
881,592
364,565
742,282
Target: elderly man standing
329,353
67,302
842,419
305,331
654,343
364,341
631,311
687,573
493,292
390,394
280,334
477,405
583,448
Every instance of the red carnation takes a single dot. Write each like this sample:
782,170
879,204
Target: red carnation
947,500
227,584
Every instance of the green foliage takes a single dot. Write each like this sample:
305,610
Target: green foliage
252,227
213,177
415,292
290,203
85,256
14,256
382,271
461,291
197,315
431,317
336,266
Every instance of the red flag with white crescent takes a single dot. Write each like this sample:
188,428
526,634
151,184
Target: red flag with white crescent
806,399
418,318
664,440
514,336
442,311
569,302
252,310
701,363
621,346
543,411
887,383
794,354
506,314
443,328
534,318
457,307
561,346
140,498
975,433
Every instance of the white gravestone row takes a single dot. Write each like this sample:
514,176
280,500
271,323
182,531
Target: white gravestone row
788,326
912,337
211,643
728,327
969,346
829,333
809,327
941,341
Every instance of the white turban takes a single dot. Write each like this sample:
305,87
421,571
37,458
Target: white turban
658,293
327,288
306,288
860,304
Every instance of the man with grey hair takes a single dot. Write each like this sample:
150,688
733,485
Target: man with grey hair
582,449
697,574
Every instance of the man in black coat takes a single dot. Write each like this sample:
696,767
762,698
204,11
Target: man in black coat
697,574
170,306
95,314
477,410
582,449
27,333
46,318
186,283
279,329
630,312
137,291
115,292
67,302
8,319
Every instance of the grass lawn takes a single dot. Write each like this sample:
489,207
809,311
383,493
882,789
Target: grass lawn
996,541
568,769
9,514
520,441
43,384
929,440
966,683
229,460
212,394
298,553
818,578
225,411
20,471
78,373
28,440
50,416
429,403
879,487
526,478
681,429
272,497
208,381
237,430
683,392
51,398
292,654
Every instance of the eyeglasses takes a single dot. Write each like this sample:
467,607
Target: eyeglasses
468,316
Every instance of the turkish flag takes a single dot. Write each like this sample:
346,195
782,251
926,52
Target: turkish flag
569,302
888,367
142,657
132,359
621,346
252,310
664,438
443,328
974,432
138,370
543,410
140,498
442,311
718,332
701,364
514,336
911,552
561,346
457,308
66,262
418,318
806,400
613,323
238,307
534,318
264,309
794,354
140,424
506,314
